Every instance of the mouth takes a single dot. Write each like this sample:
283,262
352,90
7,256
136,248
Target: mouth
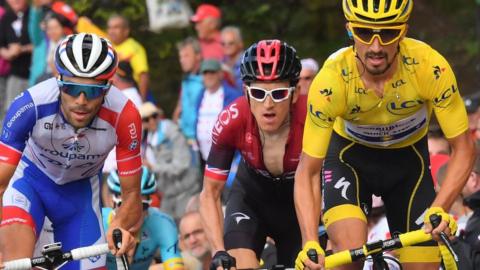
269,117
376,59
80,115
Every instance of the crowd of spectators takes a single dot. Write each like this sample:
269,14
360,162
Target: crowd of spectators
176,149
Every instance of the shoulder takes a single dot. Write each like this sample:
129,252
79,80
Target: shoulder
231,119
160,218
416,52
301,109
134,44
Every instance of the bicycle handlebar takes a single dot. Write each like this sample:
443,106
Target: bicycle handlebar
402,240
74,254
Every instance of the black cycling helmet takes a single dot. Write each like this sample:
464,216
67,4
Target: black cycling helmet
270,60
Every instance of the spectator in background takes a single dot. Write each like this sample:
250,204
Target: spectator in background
193,238
4,71
128,49
232,43
215,97
168,155
190,58
15,47
208,20
48,24
471,193
309,70
473,111
123,80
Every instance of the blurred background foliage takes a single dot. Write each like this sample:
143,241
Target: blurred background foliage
314,27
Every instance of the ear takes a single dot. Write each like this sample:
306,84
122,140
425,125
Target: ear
349,32
404,33
295,93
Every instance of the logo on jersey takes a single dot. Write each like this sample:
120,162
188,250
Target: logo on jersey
19,113
409,61
94,259
355,109
346,74
446,94
133,145
318,117
398,83
437,71
77,144
225,117
239,216
342,184
360,91
327,92
404,107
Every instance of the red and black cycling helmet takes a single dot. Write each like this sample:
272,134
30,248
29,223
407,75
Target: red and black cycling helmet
270,60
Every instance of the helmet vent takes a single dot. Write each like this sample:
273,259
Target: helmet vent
86,50
354,3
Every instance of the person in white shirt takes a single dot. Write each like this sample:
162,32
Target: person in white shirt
216,96
123,80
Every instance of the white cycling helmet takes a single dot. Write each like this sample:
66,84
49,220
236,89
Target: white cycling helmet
86,55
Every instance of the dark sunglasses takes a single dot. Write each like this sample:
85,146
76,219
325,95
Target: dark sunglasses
91,91
231,43
146,119
277,94
386,34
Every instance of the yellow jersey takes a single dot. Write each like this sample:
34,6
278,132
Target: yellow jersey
423,82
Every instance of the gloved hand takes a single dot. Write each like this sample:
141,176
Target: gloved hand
452,224
222,259
302,255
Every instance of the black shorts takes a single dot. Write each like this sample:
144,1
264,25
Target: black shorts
258,207
353,172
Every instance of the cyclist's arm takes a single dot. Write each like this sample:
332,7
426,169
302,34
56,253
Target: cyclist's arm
307,196
211,212
18,123
129,164
459,167
224,138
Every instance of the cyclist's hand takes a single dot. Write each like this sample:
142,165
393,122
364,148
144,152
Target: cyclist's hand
222,260
128,241
303,261
448,224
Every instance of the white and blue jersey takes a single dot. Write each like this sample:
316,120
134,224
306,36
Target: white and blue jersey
157,234
58,167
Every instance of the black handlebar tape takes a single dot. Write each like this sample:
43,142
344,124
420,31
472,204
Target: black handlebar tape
312,255
117,238
435,220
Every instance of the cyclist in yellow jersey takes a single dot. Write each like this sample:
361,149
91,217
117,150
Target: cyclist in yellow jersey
368,114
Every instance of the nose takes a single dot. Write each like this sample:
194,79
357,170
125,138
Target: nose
81,99
376,46
268,102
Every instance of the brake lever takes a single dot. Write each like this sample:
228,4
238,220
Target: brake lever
435,221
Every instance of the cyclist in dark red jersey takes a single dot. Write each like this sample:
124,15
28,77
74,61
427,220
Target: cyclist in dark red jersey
266,126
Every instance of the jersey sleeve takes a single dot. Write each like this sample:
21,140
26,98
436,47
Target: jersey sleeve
442,91
129,132
224,136
17,127
326,100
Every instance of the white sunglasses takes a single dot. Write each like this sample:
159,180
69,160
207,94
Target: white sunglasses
277,94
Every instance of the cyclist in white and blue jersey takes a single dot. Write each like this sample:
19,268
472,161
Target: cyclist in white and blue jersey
54,141
157,234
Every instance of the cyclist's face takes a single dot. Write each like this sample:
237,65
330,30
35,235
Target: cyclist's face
271,115
193,235
375,56
80,111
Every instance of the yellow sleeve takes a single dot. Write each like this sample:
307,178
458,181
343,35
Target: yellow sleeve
139,61
326,101
444,96
84,25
